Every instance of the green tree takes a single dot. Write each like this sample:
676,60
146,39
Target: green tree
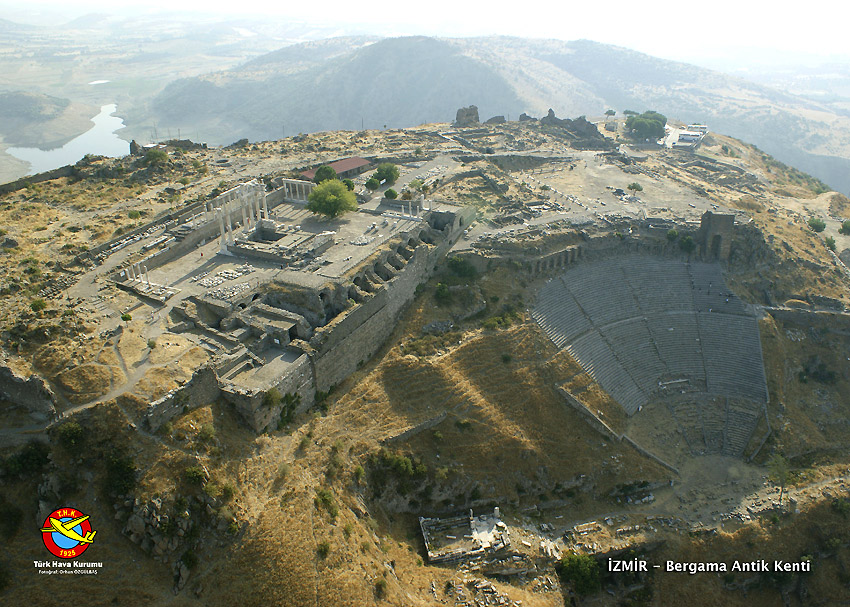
388,172
349,184
688,245
391,194
156,157
635,187
331,199
779,473
582,571
817,224
324,173
610,112
672,235
845,227
372,184
830,242
127,317
649,125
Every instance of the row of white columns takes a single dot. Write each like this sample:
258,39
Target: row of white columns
251,203
138,272
295,189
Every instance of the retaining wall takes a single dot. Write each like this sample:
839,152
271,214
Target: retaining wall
201,390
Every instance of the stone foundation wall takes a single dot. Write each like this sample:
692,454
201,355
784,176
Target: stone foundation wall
199,391
356,338
249,403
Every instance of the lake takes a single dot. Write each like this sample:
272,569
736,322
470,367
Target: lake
100,140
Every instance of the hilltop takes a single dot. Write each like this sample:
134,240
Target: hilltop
461,407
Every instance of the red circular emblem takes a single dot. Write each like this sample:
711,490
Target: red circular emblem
67,533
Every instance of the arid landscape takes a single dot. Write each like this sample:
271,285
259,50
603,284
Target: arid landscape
245,422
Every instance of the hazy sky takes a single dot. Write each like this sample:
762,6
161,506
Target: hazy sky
745,30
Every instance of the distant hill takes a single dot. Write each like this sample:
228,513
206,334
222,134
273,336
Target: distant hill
342,82
336,84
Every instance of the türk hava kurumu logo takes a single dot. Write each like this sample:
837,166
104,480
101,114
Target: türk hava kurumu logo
67,533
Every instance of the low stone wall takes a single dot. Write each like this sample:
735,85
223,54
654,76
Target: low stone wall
33,393
12,186
650,454
199,391
418,429
604,429
596,423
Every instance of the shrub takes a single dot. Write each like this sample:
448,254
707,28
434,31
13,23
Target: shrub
672,235
635,187
324,500
349,184
272,398
190,559
323,549
10,519
156,157
845,228
817,224
70,434
30,460
442,294
830,243
372,184
134,214
38,305
359,473
194,475
582,571
151,344
687,243
381,588
461,267
207,433
391,194
120,474
127,317
506,358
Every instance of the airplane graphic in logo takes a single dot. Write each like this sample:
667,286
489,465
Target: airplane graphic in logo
67,533
67,529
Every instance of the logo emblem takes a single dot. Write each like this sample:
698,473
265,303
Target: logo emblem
67,533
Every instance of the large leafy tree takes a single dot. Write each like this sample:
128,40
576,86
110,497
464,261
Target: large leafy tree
649,125
331,199
324,173
387,171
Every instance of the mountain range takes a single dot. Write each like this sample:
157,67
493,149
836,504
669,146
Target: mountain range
366,82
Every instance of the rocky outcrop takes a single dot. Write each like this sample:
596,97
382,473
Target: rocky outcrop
33,394
495,120
525,117
467,116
